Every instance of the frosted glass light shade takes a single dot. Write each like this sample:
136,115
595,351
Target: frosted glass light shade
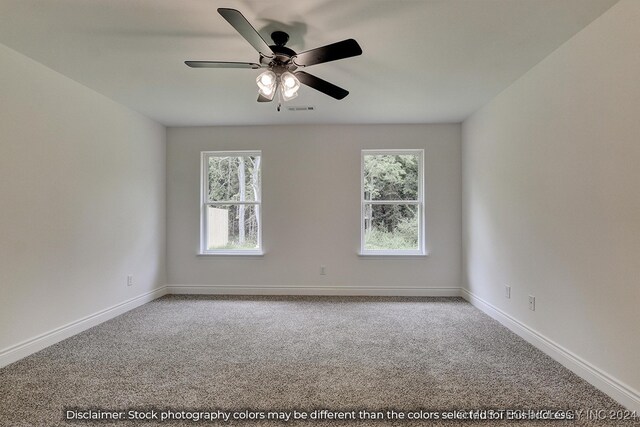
267,83
289,86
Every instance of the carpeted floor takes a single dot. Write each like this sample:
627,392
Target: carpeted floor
201,353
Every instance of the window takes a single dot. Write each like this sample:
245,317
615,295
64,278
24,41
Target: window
392,220
231,199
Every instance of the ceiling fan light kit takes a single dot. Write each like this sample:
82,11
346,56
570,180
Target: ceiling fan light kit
282,63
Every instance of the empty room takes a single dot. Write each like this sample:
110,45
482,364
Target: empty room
320,212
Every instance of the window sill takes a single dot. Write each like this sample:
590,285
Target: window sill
233,254
389,255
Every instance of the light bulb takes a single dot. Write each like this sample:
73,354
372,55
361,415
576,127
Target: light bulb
266,79
288,94
289,82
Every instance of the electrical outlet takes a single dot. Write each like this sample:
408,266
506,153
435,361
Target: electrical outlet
323,270
507,292
532,303
130,280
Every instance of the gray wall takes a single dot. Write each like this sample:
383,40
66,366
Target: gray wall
311,210
551,200
82,190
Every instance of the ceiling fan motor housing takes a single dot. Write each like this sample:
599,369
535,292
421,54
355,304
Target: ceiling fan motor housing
281,61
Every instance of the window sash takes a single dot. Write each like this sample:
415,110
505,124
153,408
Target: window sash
391,202
231,203
205,203
206,155
419,202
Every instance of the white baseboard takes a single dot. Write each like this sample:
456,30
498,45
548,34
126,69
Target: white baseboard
616,389
30,346
314,290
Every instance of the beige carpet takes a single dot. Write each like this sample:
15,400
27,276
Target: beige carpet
260,354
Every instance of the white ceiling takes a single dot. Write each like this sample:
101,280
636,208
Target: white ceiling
424,61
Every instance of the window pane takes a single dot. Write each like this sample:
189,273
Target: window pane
390,177
232,227
233,178
391,227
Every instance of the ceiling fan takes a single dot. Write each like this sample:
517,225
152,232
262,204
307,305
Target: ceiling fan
283,64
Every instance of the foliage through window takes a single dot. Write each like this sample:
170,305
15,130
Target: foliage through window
231,198
392,202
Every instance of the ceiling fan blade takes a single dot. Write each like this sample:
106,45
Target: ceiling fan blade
262,98
240,23
220,64
321,85
331,52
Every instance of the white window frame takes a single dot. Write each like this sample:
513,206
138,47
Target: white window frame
421,251
204,203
